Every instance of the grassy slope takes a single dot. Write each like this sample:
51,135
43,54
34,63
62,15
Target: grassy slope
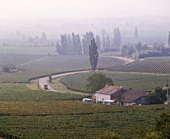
31,65
37,114
137,81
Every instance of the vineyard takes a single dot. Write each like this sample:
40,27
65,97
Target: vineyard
137,81
32,65
26,113
38,114
161,66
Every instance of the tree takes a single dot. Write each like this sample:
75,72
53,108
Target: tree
117,37
158,96
98,42
127,50
136,32
97,81
5,68
138,46
78,47
43,36
108,41
93,54
169,39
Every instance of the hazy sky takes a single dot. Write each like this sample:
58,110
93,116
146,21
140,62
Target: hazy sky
26,9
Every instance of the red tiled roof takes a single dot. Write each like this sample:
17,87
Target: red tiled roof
132,95
108,90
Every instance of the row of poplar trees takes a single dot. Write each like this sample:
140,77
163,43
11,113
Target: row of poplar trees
74,44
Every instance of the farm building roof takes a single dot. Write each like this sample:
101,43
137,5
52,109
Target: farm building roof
132,95
108,90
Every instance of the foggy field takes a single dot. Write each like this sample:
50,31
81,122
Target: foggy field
136,81
29,66
126,40
23,50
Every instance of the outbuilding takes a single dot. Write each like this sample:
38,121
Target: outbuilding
132,97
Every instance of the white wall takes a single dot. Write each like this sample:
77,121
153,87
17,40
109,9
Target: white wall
101,97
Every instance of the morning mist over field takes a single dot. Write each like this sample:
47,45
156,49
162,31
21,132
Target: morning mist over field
56,17
84,69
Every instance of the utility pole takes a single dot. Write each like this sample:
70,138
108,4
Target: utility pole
167,87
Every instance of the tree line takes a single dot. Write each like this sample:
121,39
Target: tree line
75,44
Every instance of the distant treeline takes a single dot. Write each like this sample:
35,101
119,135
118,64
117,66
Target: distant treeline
163,52
71,44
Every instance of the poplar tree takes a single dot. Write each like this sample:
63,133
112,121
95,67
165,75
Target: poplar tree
98,42
117,37
169,39
93,54
136,32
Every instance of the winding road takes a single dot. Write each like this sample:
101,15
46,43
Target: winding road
43,81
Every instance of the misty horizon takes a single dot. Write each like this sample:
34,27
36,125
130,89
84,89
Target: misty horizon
81,9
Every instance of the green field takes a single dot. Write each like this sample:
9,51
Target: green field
26,113
35,65
136,81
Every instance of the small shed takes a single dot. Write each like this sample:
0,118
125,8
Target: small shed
134,97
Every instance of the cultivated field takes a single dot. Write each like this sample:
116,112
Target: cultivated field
149,65
136,81
31,113
25,113
29,65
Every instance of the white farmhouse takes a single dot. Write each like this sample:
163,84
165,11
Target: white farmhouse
108,93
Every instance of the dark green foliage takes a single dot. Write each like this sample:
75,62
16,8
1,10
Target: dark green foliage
161,128
158,96
93,54
109,135
98,81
